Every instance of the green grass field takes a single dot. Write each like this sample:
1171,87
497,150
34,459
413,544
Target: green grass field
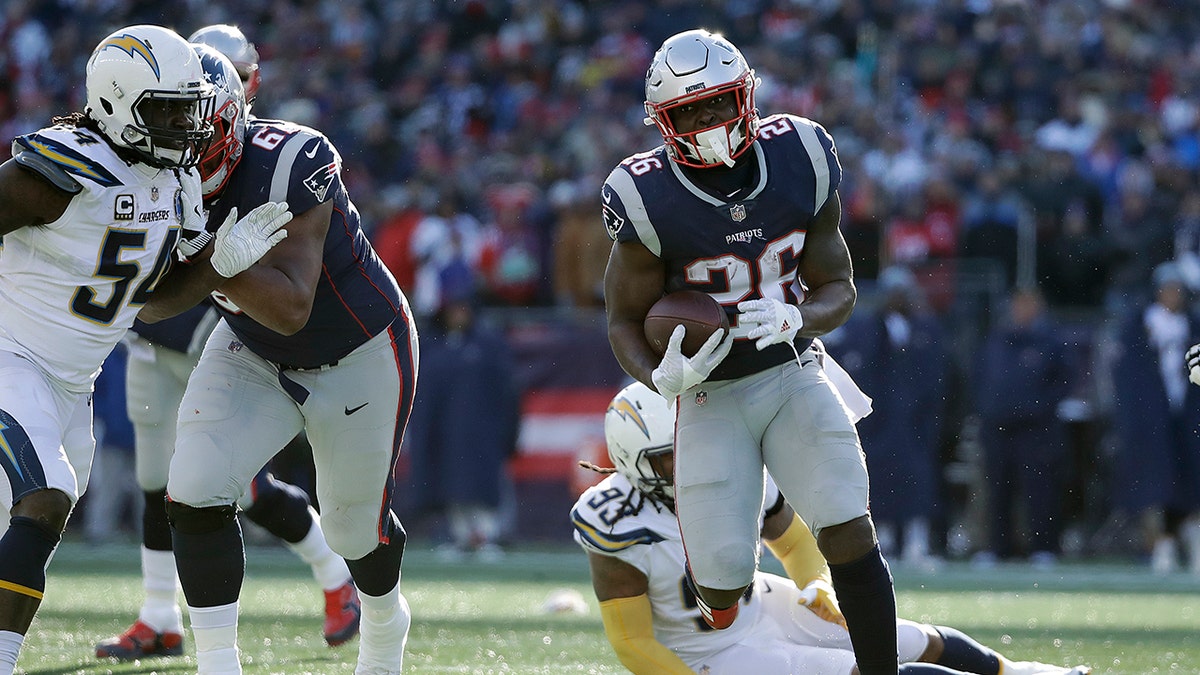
477,618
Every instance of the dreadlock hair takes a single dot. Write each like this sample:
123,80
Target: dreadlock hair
82,120
635,500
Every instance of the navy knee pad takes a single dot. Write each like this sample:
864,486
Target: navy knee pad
24,550
281,508
191,520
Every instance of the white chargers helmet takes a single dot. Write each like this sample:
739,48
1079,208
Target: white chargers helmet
692,66
228,120
638,426
139,80
232,42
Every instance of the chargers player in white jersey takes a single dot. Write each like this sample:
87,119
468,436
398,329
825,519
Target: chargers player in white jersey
318,338
746,210
161,357
91,211
627,526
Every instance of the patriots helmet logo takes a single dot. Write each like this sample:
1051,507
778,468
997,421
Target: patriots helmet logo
133,46
625,408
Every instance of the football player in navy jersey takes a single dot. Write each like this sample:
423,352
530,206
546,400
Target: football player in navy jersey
746,210
161,357
318,338
91,210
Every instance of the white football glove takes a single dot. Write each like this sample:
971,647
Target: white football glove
677,373
241,243
770,321
1193,363
818,596
195,236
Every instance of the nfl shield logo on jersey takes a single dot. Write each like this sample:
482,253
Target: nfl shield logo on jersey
737,212
701,397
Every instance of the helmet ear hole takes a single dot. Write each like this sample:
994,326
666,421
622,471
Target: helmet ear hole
108,107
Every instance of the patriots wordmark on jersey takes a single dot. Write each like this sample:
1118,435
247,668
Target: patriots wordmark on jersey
733,249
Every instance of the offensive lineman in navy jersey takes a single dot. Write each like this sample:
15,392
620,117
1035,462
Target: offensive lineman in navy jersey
318,338
747,211
161,357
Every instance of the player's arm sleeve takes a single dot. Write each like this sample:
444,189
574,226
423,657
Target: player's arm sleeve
628,625
314,172
797,549
626,217
822,152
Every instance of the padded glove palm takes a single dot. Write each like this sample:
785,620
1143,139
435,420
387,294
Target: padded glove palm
241,243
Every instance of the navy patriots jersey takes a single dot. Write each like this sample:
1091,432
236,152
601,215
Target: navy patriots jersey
357,297
735,250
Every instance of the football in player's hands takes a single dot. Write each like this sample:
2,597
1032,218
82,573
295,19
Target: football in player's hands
695,311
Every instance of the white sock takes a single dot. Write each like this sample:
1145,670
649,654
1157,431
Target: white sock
460,525
383,630
160,609
328,568
10,647
214,630
486,524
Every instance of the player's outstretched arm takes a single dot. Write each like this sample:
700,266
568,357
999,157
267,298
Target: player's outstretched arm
278,292
628,619
239,243
28,199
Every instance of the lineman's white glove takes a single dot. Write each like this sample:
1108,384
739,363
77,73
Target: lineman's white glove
241,243
1193,363
677,373
818,596
770,321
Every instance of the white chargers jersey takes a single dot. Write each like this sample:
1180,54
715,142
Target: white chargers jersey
70,289
649,540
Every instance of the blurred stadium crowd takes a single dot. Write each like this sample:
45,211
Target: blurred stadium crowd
987,145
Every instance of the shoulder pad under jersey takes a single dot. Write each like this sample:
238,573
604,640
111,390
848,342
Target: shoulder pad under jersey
32,156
